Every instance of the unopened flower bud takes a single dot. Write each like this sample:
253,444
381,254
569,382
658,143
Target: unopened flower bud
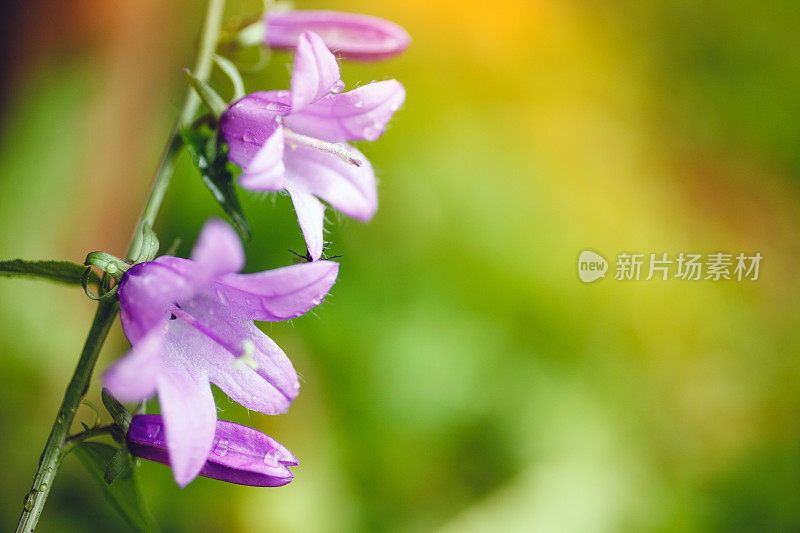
349,35
238,455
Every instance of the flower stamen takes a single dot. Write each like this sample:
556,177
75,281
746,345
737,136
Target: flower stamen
339,150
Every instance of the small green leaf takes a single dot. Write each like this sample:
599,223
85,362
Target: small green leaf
118,465
118,412
209,96
211,160
123,493
58,271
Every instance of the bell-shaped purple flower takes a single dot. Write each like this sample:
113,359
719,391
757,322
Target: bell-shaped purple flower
239,454
349,35
190,323
296,140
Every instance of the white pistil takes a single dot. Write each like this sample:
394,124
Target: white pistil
335,149
246,358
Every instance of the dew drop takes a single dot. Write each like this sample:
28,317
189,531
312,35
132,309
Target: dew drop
221,296
29,499
271,458
221,448
359,104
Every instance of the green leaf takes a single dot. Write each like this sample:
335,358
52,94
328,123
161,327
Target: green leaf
123,493
118,412
211,160
209,96
118,465
58,271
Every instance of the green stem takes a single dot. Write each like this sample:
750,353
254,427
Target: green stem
107,311
202,70
98,431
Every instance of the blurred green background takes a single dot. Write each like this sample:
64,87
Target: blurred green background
460,378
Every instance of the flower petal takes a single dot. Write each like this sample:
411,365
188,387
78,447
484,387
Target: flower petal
148,290
266,170
248,457
133,377
218,249
360,114
219,346
349,188
310,215
269,387
279,294
249,122
352,36
315,72
188,408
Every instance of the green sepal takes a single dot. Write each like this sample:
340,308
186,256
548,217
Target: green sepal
211,159
145,244
58,271
123,493
122,417
209,96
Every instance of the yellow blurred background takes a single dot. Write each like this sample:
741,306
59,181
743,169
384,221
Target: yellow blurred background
460,377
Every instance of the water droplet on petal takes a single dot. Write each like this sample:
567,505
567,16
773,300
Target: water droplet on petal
221,449
271,458
359,104
221,295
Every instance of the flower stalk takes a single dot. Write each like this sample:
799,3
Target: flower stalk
107,310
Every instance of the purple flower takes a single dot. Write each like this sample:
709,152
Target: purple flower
239,454
190,323
351,36
295,141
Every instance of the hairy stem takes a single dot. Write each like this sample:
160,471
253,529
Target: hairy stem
107,311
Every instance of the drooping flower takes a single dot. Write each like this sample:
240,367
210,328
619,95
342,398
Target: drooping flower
296,140
239,454
190,323
349,35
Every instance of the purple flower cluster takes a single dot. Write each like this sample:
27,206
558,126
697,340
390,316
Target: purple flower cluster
296,140
190,321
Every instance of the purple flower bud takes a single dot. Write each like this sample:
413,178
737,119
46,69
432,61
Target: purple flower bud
349,35
238,455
